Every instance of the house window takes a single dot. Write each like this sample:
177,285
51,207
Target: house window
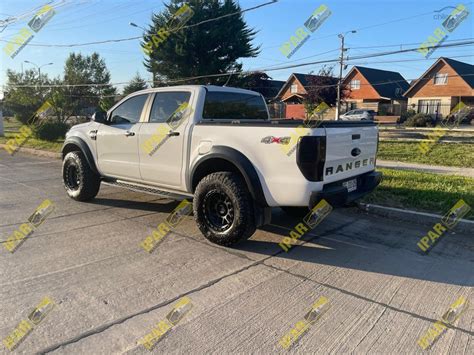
441,79
429,107
355,84
294,88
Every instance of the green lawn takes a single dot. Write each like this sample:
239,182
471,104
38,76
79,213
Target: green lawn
36,143
422,191
447,154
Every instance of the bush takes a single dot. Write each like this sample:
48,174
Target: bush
406,115
419,120
51,131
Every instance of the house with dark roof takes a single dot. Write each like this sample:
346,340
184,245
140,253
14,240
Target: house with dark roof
293,93
440,88
272,90
374,89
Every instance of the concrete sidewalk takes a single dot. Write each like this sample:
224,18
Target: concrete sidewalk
448,170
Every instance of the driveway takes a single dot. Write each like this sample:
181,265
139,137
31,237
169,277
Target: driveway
109,293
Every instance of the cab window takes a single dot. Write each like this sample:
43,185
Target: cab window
234,106
169,106
129,111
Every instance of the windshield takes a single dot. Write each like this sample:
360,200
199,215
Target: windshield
234,106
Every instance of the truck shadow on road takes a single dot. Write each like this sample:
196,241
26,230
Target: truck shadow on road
359,242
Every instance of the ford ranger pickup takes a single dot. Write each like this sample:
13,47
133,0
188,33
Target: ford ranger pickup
218,147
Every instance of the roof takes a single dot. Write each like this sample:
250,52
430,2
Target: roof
274,87
385,82
302,78
464,70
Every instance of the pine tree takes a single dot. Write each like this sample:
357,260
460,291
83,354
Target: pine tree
210,48
136,84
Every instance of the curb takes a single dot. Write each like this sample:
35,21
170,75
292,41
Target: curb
434,169
423,218
38,152
468,130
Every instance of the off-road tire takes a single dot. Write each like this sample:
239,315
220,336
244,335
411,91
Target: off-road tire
232,186
88,182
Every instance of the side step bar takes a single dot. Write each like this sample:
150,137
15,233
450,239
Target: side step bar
147,189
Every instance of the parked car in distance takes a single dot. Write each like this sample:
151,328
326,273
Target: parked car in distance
358,115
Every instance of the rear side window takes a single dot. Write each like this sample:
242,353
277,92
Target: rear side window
166,104
234,106
129,111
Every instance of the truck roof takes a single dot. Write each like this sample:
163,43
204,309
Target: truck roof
194,87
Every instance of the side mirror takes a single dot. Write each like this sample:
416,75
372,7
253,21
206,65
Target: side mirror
99,117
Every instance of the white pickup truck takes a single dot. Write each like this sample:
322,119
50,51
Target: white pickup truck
218,146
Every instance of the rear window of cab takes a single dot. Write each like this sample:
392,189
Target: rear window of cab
234,106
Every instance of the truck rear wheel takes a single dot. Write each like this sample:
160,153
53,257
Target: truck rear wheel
223,208
80,182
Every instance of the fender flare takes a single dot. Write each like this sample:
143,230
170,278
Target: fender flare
83,147
239,160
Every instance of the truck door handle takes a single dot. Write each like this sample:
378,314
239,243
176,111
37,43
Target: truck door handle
128,134
172,134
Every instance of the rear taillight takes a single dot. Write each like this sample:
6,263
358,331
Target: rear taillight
311,156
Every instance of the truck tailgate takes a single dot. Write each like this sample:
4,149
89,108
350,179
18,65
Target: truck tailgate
350,151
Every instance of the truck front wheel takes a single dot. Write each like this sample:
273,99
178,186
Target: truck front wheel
223,208
80,182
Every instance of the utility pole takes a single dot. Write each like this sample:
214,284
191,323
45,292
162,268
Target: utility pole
2,134
341,66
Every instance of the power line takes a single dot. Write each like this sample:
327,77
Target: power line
406,44
253,87
270,68
374,55
140,37
13,19
370,26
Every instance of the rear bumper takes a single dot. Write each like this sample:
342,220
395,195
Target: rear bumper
337,195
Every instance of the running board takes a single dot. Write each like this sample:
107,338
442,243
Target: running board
147,189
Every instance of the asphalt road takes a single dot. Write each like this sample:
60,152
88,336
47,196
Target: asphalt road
109,293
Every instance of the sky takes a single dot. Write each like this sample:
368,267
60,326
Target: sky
380,25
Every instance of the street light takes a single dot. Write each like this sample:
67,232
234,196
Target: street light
341,65
37,66
135,25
